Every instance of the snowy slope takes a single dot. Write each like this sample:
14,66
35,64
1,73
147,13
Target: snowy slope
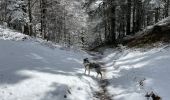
8,34
133,73
164,24
31,71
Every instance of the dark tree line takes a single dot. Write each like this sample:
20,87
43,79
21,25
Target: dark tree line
82,22
126,17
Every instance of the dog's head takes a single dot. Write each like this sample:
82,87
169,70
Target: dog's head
85,60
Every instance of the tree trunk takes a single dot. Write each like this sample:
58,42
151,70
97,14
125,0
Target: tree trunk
111,38
128,16
43,17
156,15
138,15
30,17
167,8
134,16
113,25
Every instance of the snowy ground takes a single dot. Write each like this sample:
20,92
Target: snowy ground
8,34
32,71
127,68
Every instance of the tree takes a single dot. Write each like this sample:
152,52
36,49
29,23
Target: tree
128,26
30,17
82,22
17,16
43,9
167,3
3,11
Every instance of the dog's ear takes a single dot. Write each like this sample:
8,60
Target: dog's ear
85,59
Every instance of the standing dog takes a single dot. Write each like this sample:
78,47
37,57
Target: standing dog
89,65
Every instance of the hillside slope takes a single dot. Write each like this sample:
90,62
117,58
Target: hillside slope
32,71
160,32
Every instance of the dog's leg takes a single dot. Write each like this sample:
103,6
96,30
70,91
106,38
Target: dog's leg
85,70
97,75
86,67
100,74
89,70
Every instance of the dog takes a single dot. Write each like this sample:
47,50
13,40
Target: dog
91,65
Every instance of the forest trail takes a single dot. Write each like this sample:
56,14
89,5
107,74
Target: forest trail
103,94
103,83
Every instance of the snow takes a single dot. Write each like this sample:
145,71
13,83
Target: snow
157,3
164,21
96,4
8,34
132,66
32,71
